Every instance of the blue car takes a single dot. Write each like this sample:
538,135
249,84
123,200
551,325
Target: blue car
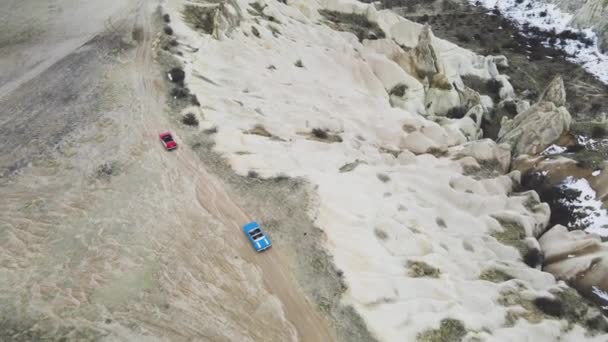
256,236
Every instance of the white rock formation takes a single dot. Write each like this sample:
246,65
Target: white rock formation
424,210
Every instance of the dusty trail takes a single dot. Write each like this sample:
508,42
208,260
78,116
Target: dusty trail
211,196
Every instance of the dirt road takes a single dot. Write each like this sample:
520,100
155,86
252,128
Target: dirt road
214,199
103,234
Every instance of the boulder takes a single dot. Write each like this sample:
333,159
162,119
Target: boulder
486,151
418,143
579,258
533,130
555,92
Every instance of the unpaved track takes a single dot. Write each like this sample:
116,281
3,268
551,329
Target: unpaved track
211,196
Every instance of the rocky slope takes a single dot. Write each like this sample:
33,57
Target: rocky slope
422,218
588,14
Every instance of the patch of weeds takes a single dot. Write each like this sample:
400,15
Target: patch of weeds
179,93
106,170
275,31
398,90
350,166
357,24
495,276
299,63
260,130
420,269
450,330
190,120
380,234
324,135
255,31
384,178
200,17
593,129
512,234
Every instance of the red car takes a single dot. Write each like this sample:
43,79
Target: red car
167,139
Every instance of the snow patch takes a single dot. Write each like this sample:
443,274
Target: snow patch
553,150
595,216
548,17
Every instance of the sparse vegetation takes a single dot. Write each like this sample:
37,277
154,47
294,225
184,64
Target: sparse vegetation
512,234
441,222
260,130
420,269
255,31
177,75
166,18
398,90
384,178
350,166
495,275
252,174
190,119
320,133
450,330
168,30
357,24
380,234
299,63
200,17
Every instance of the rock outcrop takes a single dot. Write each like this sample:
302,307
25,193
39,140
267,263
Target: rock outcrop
555,92
425,58
579,258
535,129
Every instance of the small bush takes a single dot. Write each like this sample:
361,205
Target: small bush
299,63
534,257
320,133
380,234
168,30
177,75
398,90
166,18
441,222
495,276
190,120
255,31
252,174
194,100
200,17
462,37
420,269
180,93
383,177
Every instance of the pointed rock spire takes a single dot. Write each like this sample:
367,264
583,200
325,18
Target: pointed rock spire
424,54
555,92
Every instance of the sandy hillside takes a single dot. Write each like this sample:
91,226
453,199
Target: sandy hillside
104,235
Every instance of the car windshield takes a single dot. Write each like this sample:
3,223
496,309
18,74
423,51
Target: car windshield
167,138
256,234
